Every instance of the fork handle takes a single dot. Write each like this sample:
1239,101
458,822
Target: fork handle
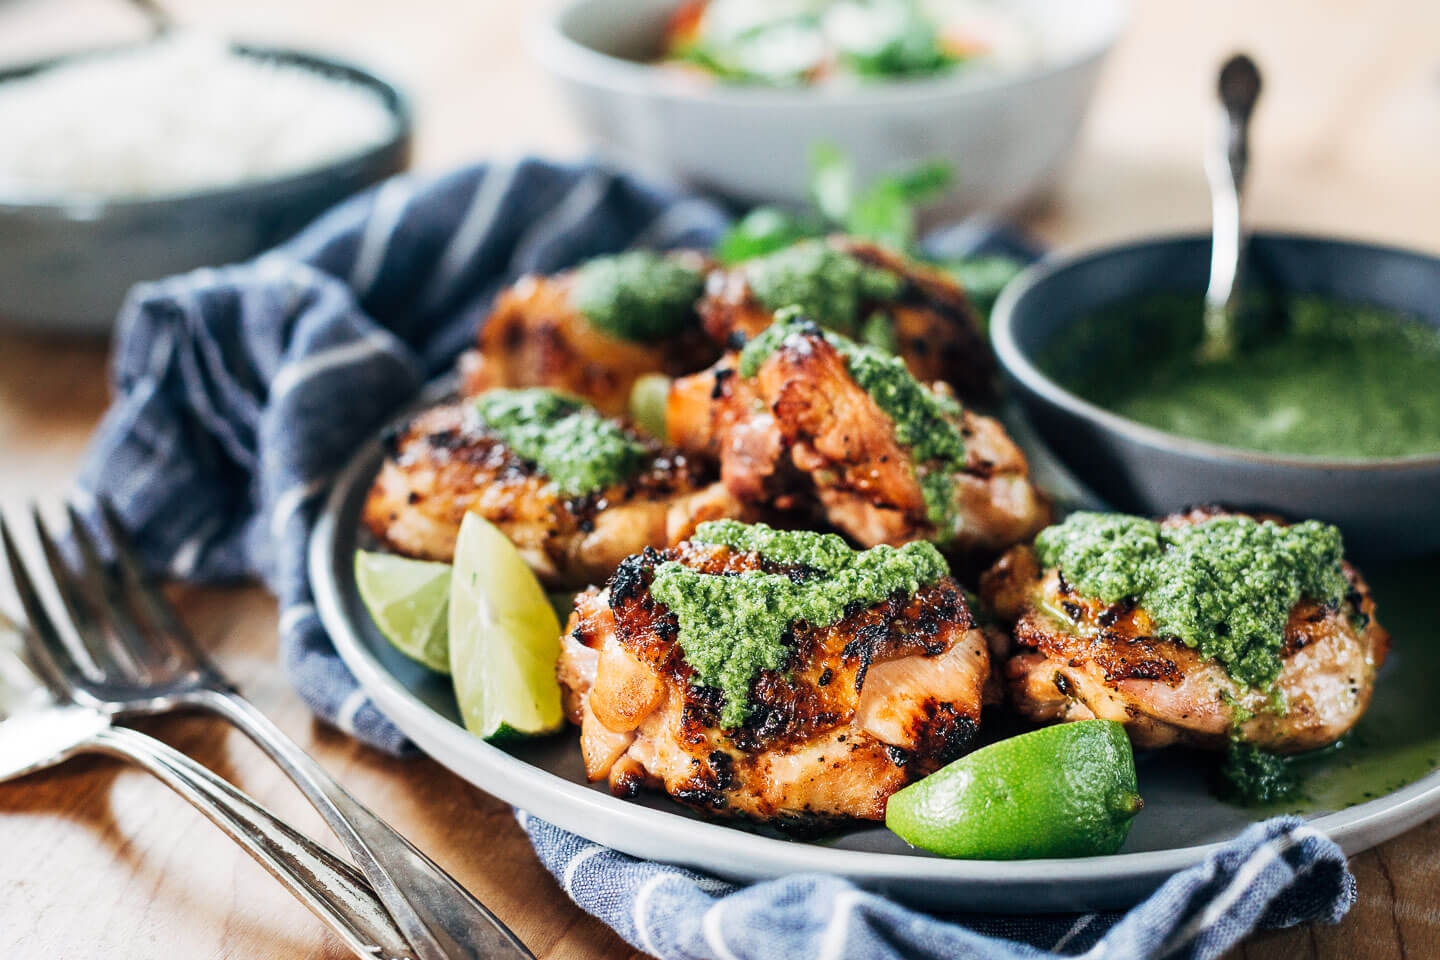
332,889
441,919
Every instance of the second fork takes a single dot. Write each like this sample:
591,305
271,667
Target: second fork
37,732
123,620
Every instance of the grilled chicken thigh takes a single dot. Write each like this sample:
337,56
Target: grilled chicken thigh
860,708
802,432
1076,658
926,319
446,462
537,336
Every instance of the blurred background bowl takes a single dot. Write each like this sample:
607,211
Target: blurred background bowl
1006,132
1390,505
65,266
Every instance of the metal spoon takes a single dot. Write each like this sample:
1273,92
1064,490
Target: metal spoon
1225,164
40,727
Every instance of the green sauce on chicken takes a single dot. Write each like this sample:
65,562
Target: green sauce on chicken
568,441
734,626
1223,586
638,296
925,421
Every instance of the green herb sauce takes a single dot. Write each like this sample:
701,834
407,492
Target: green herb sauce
734,626
1397,741
1311,377
1254,776
1224,586
925,421
568,441
828,285
639,295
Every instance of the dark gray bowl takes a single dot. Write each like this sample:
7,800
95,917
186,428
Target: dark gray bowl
65,266
1390,505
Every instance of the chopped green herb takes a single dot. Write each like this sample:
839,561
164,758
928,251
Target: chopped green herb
912,48
1255,776
1223,586
640,295
568,441
765,230
732,627
925,421
884,211
828,285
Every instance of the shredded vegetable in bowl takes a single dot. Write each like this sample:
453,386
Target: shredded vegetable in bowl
815,42
176,116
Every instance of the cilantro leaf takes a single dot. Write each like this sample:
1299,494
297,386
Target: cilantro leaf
765,230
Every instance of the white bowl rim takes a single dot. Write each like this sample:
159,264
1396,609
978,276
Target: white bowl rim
567,57
1017,362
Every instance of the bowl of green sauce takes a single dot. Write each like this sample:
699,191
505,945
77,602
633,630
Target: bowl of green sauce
1329,409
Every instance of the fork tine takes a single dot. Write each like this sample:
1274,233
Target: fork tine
144,592
129,647
48,654
20,669
80,609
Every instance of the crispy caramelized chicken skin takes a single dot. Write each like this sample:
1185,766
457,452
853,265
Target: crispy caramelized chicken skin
879,699
537,337
446,463
803,433
1075,658
936,330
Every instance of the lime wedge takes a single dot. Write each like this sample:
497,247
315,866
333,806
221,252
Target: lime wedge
649,397
504,638
408,600
1062,791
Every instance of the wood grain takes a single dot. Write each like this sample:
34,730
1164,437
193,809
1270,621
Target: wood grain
100,861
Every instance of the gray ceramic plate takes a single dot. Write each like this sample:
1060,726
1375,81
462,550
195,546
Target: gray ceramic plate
1380,782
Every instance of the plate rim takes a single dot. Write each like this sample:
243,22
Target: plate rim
736,853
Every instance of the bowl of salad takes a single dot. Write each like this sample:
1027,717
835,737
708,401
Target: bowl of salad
729,95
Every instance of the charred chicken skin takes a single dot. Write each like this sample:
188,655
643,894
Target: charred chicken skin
795,427
857,709
922,316
447,462
1074,657
539,335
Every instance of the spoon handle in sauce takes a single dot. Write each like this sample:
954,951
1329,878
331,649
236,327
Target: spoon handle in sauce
1225,164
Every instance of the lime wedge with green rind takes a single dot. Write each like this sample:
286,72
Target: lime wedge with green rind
1062,791
504,638
409,601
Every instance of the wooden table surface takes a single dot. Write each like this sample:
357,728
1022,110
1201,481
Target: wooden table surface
99,860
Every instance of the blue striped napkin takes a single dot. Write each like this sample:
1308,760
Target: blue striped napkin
240,391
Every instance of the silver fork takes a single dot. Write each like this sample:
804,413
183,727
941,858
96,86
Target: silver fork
123,613
39,731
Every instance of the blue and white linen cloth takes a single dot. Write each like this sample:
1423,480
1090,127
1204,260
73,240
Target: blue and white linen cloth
241,391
